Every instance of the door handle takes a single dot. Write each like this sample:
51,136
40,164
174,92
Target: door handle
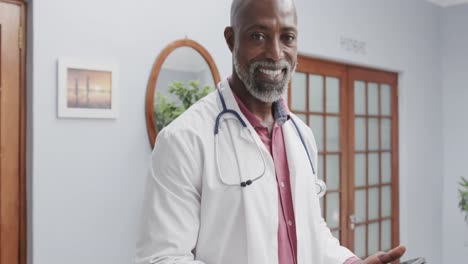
352,221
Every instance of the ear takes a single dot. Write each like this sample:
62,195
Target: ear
229,37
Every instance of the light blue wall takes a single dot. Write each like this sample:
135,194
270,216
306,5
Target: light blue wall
87,176
455,124
403,36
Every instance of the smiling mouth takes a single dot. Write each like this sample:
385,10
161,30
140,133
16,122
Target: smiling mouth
271,74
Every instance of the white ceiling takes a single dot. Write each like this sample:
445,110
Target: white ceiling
446,3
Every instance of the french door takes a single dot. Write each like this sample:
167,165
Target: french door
353,114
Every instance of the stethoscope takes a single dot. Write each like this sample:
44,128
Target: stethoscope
320,185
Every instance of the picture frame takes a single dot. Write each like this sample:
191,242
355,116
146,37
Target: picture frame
87,89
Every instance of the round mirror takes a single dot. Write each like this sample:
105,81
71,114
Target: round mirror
183,73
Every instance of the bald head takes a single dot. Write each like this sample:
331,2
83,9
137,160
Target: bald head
238,7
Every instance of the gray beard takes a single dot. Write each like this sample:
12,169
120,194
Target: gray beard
264,92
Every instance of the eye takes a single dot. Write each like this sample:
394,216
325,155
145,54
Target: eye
289,38
257,36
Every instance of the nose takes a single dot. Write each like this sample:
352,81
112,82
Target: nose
274,50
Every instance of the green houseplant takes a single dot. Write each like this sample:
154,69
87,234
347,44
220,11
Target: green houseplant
463,191
166,111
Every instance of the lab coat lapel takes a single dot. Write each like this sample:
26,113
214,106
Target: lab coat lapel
260,198
298,163
300,174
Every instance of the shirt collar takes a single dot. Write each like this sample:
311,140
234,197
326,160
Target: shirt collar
280,112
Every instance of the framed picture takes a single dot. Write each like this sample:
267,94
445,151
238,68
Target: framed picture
87,90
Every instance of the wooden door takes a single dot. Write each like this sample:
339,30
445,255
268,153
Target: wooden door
353,114
12,134
373,203
318,97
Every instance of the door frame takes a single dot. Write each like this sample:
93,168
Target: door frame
22,254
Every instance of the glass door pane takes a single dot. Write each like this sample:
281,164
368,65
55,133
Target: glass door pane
333,95
298,100
360,242
333,133
316,124
315,93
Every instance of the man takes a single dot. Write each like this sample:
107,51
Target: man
219,193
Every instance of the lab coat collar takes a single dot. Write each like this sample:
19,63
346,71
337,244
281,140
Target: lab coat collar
231,103
225,89
281,112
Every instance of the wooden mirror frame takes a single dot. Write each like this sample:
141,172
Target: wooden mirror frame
150,124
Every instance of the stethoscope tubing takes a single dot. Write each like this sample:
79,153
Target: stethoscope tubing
319,183
304,145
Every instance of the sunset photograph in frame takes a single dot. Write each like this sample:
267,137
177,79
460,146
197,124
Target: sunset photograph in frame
87,90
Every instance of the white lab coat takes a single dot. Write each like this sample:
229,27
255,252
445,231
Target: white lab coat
190,216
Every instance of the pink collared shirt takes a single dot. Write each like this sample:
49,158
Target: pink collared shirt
287,242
